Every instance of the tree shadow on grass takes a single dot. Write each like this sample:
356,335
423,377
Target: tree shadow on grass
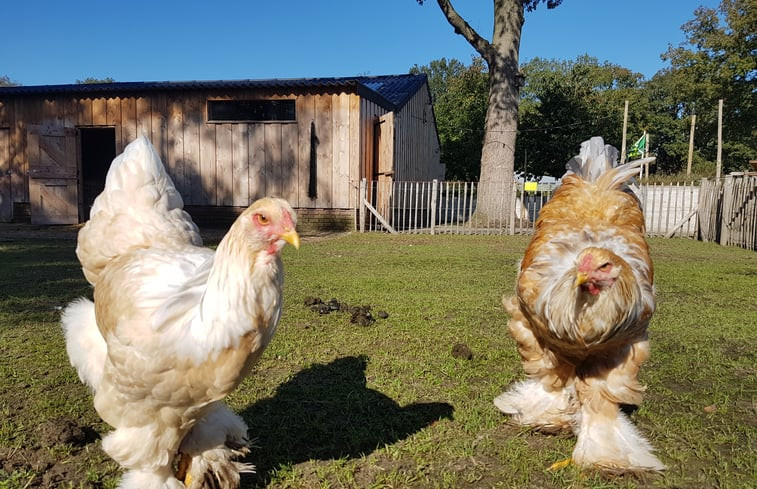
326,412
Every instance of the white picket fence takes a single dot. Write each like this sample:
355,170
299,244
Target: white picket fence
669,210
449,208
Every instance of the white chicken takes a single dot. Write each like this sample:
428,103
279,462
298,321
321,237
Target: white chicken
174,327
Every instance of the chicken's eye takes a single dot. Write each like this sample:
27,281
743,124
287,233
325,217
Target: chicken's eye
261,219
605,267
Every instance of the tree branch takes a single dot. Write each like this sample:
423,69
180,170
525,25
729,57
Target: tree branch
481,45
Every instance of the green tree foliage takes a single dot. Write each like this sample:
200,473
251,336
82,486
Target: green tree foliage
566,102
563,103
90,80
718,60
460,94
5,81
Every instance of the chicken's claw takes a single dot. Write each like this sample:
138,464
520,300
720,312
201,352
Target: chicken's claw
182,471
561,464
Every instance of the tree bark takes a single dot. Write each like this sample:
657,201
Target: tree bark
500,130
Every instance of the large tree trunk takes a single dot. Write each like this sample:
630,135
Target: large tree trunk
500,130
498,154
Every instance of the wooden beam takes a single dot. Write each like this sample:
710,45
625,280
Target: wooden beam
682,222
378,216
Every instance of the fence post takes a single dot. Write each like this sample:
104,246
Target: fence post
362,199
434,197
513,200
725,220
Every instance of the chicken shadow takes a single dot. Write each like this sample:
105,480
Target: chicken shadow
326,412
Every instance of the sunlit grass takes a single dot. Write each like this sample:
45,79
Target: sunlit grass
333,404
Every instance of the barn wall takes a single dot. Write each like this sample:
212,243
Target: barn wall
14,164
416,153
212,164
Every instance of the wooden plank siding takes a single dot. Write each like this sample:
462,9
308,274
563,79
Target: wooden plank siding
19,159
6,201
416,150
305,107
211,163
232,164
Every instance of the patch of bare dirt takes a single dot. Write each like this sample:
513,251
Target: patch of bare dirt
55,453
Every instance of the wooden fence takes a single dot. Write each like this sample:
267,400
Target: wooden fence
728,211
669,209
449,208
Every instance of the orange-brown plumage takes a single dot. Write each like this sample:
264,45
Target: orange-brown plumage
584,298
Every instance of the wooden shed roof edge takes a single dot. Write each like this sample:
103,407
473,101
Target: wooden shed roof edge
391,92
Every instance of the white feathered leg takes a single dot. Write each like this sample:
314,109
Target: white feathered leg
529,404
606,437
87,352
85,345
546,400
142,451
214,445
611,443
138,479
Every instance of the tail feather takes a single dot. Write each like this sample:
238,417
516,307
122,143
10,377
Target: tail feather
139,207
85,345
598,162
619,176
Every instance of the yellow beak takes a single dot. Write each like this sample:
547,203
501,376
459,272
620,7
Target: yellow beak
581,278
292,238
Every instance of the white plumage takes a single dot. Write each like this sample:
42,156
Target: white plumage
174,327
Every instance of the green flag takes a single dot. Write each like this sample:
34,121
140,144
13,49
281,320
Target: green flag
637,150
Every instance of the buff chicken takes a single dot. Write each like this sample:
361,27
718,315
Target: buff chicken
583,300
174,327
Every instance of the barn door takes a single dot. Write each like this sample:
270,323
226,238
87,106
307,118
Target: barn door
53,182
6,204
385,164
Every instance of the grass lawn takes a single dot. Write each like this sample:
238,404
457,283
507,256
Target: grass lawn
334,404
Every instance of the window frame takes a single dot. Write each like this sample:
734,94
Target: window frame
210,101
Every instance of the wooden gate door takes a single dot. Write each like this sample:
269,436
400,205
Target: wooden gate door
53,182
385,165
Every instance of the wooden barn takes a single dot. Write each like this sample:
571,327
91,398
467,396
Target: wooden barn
224,143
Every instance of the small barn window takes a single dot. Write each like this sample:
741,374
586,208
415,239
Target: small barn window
251,111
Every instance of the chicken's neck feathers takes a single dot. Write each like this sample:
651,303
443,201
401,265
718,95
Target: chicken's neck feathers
234,295
585,319
560,301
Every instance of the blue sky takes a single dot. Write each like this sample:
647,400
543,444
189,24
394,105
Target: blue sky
58,41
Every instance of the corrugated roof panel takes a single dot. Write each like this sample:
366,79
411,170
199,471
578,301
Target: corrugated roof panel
389,91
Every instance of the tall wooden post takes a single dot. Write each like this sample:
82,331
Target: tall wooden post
645,153
432,209
720,141
691,144
361,203
727,209
625,126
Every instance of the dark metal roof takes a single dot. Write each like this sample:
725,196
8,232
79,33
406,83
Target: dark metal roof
389,91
